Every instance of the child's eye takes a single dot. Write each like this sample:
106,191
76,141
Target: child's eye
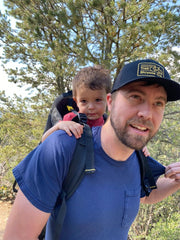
83,101
98,100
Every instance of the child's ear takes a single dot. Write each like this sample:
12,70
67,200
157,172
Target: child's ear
75,99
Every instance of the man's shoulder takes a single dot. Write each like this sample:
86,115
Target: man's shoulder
59,140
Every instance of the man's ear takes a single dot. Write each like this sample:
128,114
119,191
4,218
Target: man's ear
109,101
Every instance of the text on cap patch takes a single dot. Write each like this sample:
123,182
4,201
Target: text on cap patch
150,69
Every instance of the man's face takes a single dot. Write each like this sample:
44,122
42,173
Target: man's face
136,112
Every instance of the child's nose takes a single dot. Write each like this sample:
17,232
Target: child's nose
90,105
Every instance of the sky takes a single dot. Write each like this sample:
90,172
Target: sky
9,88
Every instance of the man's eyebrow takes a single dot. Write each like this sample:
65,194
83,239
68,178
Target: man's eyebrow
162,98
135,89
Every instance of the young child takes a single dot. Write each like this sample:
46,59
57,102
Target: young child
90,87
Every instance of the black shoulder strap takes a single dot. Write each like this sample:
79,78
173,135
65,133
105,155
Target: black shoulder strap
147,180
105,116
82,163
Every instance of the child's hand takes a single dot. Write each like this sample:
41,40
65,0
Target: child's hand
70,128
146,152
173,171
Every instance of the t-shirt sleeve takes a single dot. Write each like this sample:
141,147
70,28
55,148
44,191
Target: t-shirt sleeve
157,170
41,173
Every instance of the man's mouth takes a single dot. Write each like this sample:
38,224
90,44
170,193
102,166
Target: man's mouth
141,128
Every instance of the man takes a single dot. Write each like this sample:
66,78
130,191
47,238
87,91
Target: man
106,203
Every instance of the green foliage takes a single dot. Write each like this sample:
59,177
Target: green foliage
52,39
165,145
152,220
166,229
21,129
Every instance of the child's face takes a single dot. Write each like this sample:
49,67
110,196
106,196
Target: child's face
91,102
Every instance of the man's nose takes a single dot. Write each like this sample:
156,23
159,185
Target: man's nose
145,111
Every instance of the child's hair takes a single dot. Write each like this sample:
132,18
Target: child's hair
95,78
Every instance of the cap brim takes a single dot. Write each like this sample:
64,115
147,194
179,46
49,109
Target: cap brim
172,88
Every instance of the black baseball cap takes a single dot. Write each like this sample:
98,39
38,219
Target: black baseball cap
150,71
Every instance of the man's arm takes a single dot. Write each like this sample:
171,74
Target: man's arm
166,185
25,221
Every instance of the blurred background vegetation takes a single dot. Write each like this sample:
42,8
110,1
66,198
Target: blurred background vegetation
50,40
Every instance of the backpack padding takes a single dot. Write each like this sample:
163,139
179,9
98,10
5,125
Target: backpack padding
83,159
59,108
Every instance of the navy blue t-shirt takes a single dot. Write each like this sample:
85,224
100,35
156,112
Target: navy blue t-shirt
106,202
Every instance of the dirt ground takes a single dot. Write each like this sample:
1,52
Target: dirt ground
5,207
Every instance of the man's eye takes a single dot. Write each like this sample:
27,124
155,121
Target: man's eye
159,104
135,97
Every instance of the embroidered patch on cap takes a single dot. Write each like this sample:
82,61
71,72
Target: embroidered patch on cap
150,69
